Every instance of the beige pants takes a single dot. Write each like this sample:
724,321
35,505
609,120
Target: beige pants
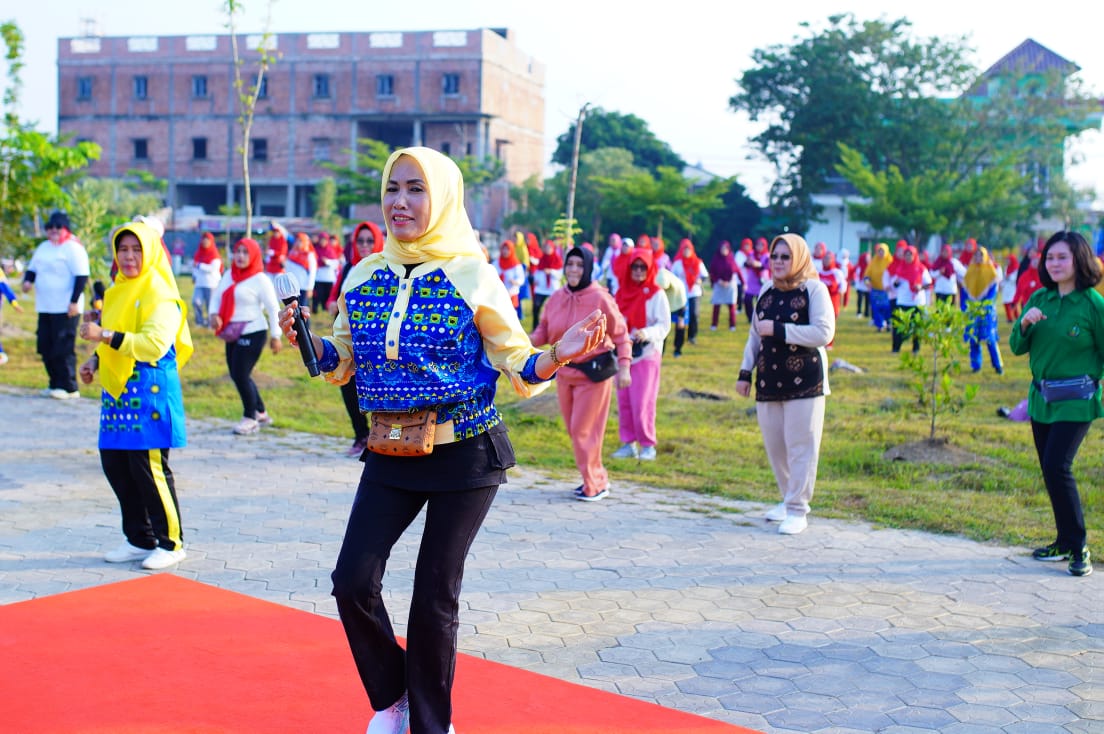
791,434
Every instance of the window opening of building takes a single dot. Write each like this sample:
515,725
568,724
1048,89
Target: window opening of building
199,85
450,84
260,149
141,87
321,86
84,88
385,85
141,149
199,149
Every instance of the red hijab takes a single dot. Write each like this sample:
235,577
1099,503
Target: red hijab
910,272
301,252
968,250
277,252
691,263
506,257
943,264
551,260
237,275
207,252
632,297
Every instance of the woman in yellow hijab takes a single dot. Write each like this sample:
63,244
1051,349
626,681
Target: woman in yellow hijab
426,326
878,280
980,286
142,339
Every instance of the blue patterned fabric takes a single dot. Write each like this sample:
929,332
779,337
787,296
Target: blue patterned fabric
150,412
441,361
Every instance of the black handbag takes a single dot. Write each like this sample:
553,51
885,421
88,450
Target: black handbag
1069,388
599,368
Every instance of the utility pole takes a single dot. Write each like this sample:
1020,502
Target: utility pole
574,175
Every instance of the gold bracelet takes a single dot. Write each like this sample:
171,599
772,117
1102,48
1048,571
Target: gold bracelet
556,360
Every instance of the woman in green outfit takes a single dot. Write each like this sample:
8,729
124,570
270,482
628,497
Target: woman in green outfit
1063,328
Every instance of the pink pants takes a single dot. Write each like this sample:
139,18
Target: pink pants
636,405
585,409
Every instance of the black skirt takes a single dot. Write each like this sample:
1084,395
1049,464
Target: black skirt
479,461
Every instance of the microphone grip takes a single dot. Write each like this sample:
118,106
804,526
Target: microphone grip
306,342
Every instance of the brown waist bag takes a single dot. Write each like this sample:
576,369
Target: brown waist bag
406,433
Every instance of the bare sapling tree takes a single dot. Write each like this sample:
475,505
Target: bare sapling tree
247,96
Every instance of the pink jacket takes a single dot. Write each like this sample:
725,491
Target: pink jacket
563,308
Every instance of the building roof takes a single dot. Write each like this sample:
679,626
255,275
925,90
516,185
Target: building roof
1031,57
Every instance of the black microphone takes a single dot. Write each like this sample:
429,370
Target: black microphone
288,290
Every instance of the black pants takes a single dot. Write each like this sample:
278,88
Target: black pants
538,303
862,303
425,670
241,358
352,407
898,335
750,300
143,483
321,295
1057,445
56,343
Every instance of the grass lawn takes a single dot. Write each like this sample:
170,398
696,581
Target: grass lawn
713,446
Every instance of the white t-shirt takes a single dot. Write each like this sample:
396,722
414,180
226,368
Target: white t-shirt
56,269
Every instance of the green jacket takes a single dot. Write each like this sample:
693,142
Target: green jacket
1069,342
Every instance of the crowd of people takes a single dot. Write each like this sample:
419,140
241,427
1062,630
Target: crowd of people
425,320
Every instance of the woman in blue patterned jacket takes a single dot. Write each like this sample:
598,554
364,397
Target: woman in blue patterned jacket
426,324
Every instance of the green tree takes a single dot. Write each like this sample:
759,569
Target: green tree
325,206
868,85
99,205
35,168
615,130
938,200
940,328
667,197
359,182
739,217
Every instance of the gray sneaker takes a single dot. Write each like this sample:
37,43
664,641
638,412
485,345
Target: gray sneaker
647,453
628,451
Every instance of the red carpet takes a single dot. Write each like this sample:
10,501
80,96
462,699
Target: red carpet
164,654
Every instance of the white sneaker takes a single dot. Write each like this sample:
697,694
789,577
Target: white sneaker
127,552
628,451
395,719
264,418
647,453
247,426
46,392
776,513
793,524
59,394
3,357
160,558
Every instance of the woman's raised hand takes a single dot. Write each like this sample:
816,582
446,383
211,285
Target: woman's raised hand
583,336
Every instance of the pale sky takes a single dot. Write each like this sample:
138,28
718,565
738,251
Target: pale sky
672,64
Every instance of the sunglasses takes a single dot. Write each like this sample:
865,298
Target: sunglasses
365,241
780,256
638,267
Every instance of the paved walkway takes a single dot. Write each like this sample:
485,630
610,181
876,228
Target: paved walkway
661,595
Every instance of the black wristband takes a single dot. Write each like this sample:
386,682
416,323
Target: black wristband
116,340
745,376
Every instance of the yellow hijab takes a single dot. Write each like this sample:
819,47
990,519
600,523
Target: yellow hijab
801,262
979,276
450,232
877,266
129,302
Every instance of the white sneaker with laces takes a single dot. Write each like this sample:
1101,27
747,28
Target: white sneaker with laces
247,426
126,553
160,558
395,719
793,524
628,451
776,513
